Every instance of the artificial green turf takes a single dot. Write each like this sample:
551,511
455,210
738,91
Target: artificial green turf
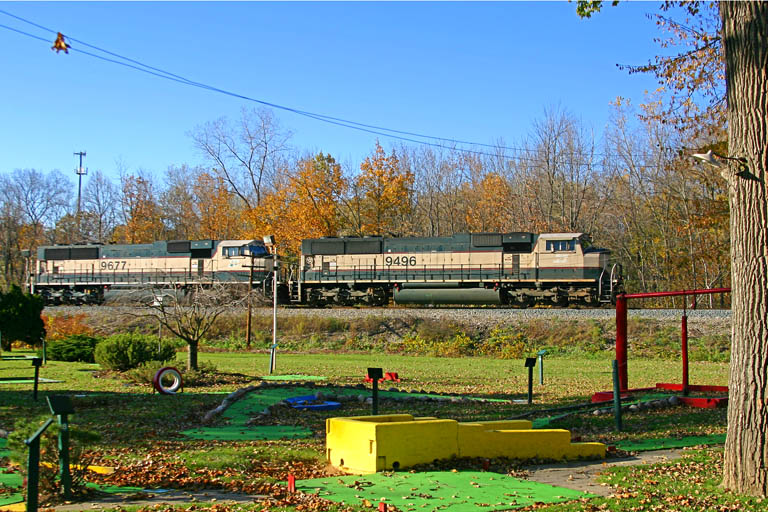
9,480
293,377
663,443
238,414
249,433
25,380
446,490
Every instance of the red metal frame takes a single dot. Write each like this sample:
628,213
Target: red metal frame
621,350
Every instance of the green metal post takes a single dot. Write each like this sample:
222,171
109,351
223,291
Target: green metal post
64,474
33,466
45,357
616,396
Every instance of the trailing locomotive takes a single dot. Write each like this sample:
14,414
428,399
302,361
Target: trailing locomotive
83,274
520,269
478,268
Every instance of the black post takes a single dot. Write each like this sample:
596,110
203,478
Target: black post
375,374
530,362
616,396
33,473
375,396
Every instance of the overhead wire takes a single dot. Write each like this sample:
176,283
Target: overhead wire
402,135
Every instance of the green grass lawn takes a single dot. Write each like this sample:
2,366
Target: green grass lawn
140,430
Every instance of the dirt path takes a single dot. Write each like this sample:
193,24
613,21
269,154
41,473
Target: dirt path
581,475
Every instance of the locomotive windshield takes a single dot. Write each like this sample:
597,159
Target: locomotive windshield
257,250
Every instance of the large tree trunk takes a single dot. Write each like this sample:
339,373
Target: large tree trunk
745,30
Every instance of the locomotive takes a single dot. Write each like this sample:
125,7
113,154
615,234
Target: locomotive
470,268
83,274
521,269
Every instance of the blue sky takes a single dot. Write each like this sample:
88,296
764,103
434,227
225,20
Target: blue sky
469,71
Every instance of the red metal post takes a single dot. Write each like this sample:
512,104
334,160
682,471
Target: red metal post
621,340
291,484
684,330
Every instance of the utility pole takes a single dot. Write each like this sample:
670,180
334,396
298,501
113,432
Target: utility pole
80,171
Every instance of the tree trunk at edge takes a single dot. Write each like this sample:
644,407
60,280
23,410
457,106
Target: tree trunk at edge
745,33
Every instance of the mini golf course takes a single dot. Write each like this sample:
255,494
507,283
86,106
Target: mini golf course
457,491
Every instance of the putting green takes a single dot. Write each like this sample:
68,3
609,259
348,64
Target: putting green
238,414
9,480
249,433
25,380
293,377
444,490
664,443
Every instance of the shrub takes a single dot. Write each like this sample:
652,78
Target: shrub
49,483
20,318
78,347
122,352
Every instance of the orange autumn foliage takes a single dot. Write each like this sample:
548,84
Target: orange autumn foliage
386,192
63,326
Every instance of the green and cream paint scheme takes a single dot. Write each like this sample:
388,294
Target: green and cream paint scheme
90,270
476,268
470,268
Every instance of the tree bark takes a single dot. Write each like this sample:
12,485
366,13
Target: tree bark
191,355
745,31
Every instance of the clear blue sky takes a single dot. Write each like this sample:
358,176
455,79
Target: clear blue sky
471,71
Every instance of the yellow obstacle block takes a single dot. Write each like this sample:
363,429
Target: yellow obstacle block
528,444
15,507
102,470
367,444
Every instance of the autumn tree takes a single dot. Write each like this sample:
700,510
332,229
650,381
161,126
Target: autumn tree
179,207
305,203
438,180
246,154
101,201
744,37
142,222
219,211
189,314
386,193
38,199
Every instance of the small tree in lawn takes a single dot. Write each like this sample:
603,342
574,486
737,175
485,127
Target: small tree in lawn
190,315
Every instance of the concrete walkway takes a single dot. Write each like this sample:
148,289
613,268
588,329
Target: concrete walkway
581,475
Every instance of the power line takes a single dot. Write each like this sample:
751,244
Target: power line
401,135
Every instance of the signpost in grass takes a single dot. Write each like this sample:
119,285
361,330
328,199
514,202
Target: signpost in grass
530,362
375,374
